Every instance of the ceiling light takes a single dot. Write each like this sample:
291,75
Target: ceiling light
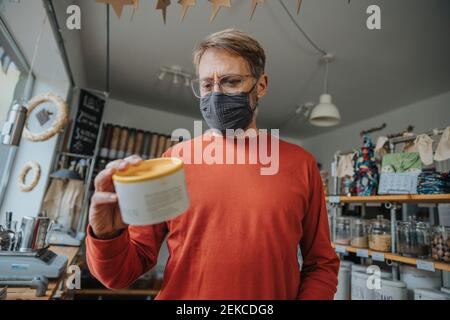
325,114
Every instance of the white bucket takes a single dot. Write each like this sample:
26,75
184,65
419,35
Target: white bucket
419,279
446,279
391,290
359,287
152,192
430,294
360,291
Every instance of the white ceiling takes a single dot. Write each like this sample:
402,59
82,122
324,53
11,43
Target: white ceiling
375,71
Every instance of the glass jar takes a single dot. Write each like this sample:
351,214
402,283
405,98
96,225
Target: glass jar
343,230
380,234
440,243
359,233
413,238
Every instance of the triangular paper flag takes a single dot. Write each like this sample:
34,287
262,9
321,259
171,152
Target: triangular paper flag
136,6
216,7
119,4
185,6
254,5
299,4
162,5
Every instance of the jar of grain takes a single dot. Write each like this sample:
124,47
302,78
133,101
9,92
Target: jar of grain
380,234
359,233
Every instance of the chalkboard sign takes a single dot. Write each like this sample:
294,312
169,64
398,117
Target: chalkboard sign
87,124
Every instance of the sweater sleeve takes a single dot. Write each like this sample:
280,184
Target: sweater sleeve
120,261
320,262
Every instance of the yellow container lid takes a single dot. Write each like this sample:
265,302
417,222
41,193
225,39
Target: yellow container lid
149,170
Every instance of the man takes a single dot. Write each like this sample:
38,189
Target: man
239,238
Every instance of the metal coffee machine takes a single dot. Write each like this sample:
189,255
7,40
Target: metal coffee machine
24,251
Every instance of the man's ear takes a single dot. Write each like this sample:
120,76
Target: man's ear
261,87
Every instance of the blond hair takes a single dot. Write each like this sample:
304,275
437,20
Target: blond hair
237,43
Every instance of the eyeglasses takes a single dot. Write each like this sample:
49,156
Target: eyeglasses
230,84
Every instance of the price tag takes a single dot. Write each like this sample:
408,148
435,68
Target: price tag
334,199
425,265
341,249
378,256
362,253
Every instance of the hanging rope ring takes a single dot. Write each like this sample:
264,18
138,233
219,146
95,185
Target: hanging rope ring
30,166
58,124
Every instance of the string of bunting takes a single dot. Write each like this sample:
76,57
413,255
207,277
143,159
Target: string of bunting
162,5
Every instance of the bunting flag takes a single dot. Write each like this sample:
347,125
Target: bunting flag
254,5
299,4
185,4
119,4
216,4
162,5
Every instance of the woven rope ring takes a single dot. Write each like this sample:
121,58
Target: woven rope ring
58,124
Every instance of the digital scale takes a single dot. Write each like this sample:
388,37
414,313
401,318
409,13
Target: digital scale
42,262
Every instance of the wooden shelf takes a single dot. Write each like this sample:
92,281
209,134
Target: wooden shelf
396,257
434,198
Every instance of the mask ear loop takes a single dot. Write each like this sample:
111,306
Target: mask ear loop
256,106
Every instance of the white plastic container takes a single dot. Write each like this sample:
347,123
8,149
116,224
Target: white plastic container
152,192
344,286
391,290
359,287
430,294
445,290
446,279
419,279
359,290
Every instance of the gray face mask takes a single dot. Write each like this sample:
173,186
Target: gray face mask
222,111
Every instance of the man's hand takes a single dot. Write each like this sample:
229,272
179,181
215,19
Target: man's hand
104,213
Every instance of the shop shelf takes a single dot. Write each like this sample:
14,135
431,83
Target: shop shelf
398,258
434,198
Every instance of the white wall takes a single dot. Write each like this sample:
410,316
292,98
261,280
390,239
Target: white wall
423,115
29,203
50,77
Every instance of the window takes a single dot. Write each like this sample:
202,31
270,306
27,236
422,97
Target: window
14,71
9,78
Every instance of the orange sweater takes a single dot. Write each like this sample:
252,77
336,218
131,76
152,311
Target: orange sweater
238,240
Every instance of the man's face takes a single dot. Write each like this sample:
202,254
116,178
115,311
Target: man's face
216,63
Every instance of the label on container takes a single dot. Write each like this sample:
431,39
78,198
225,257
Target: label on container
341,249
378,256
362,253
425,265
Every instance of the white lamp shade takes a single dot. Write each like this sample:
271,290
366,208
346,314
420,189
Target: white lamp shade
325,114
